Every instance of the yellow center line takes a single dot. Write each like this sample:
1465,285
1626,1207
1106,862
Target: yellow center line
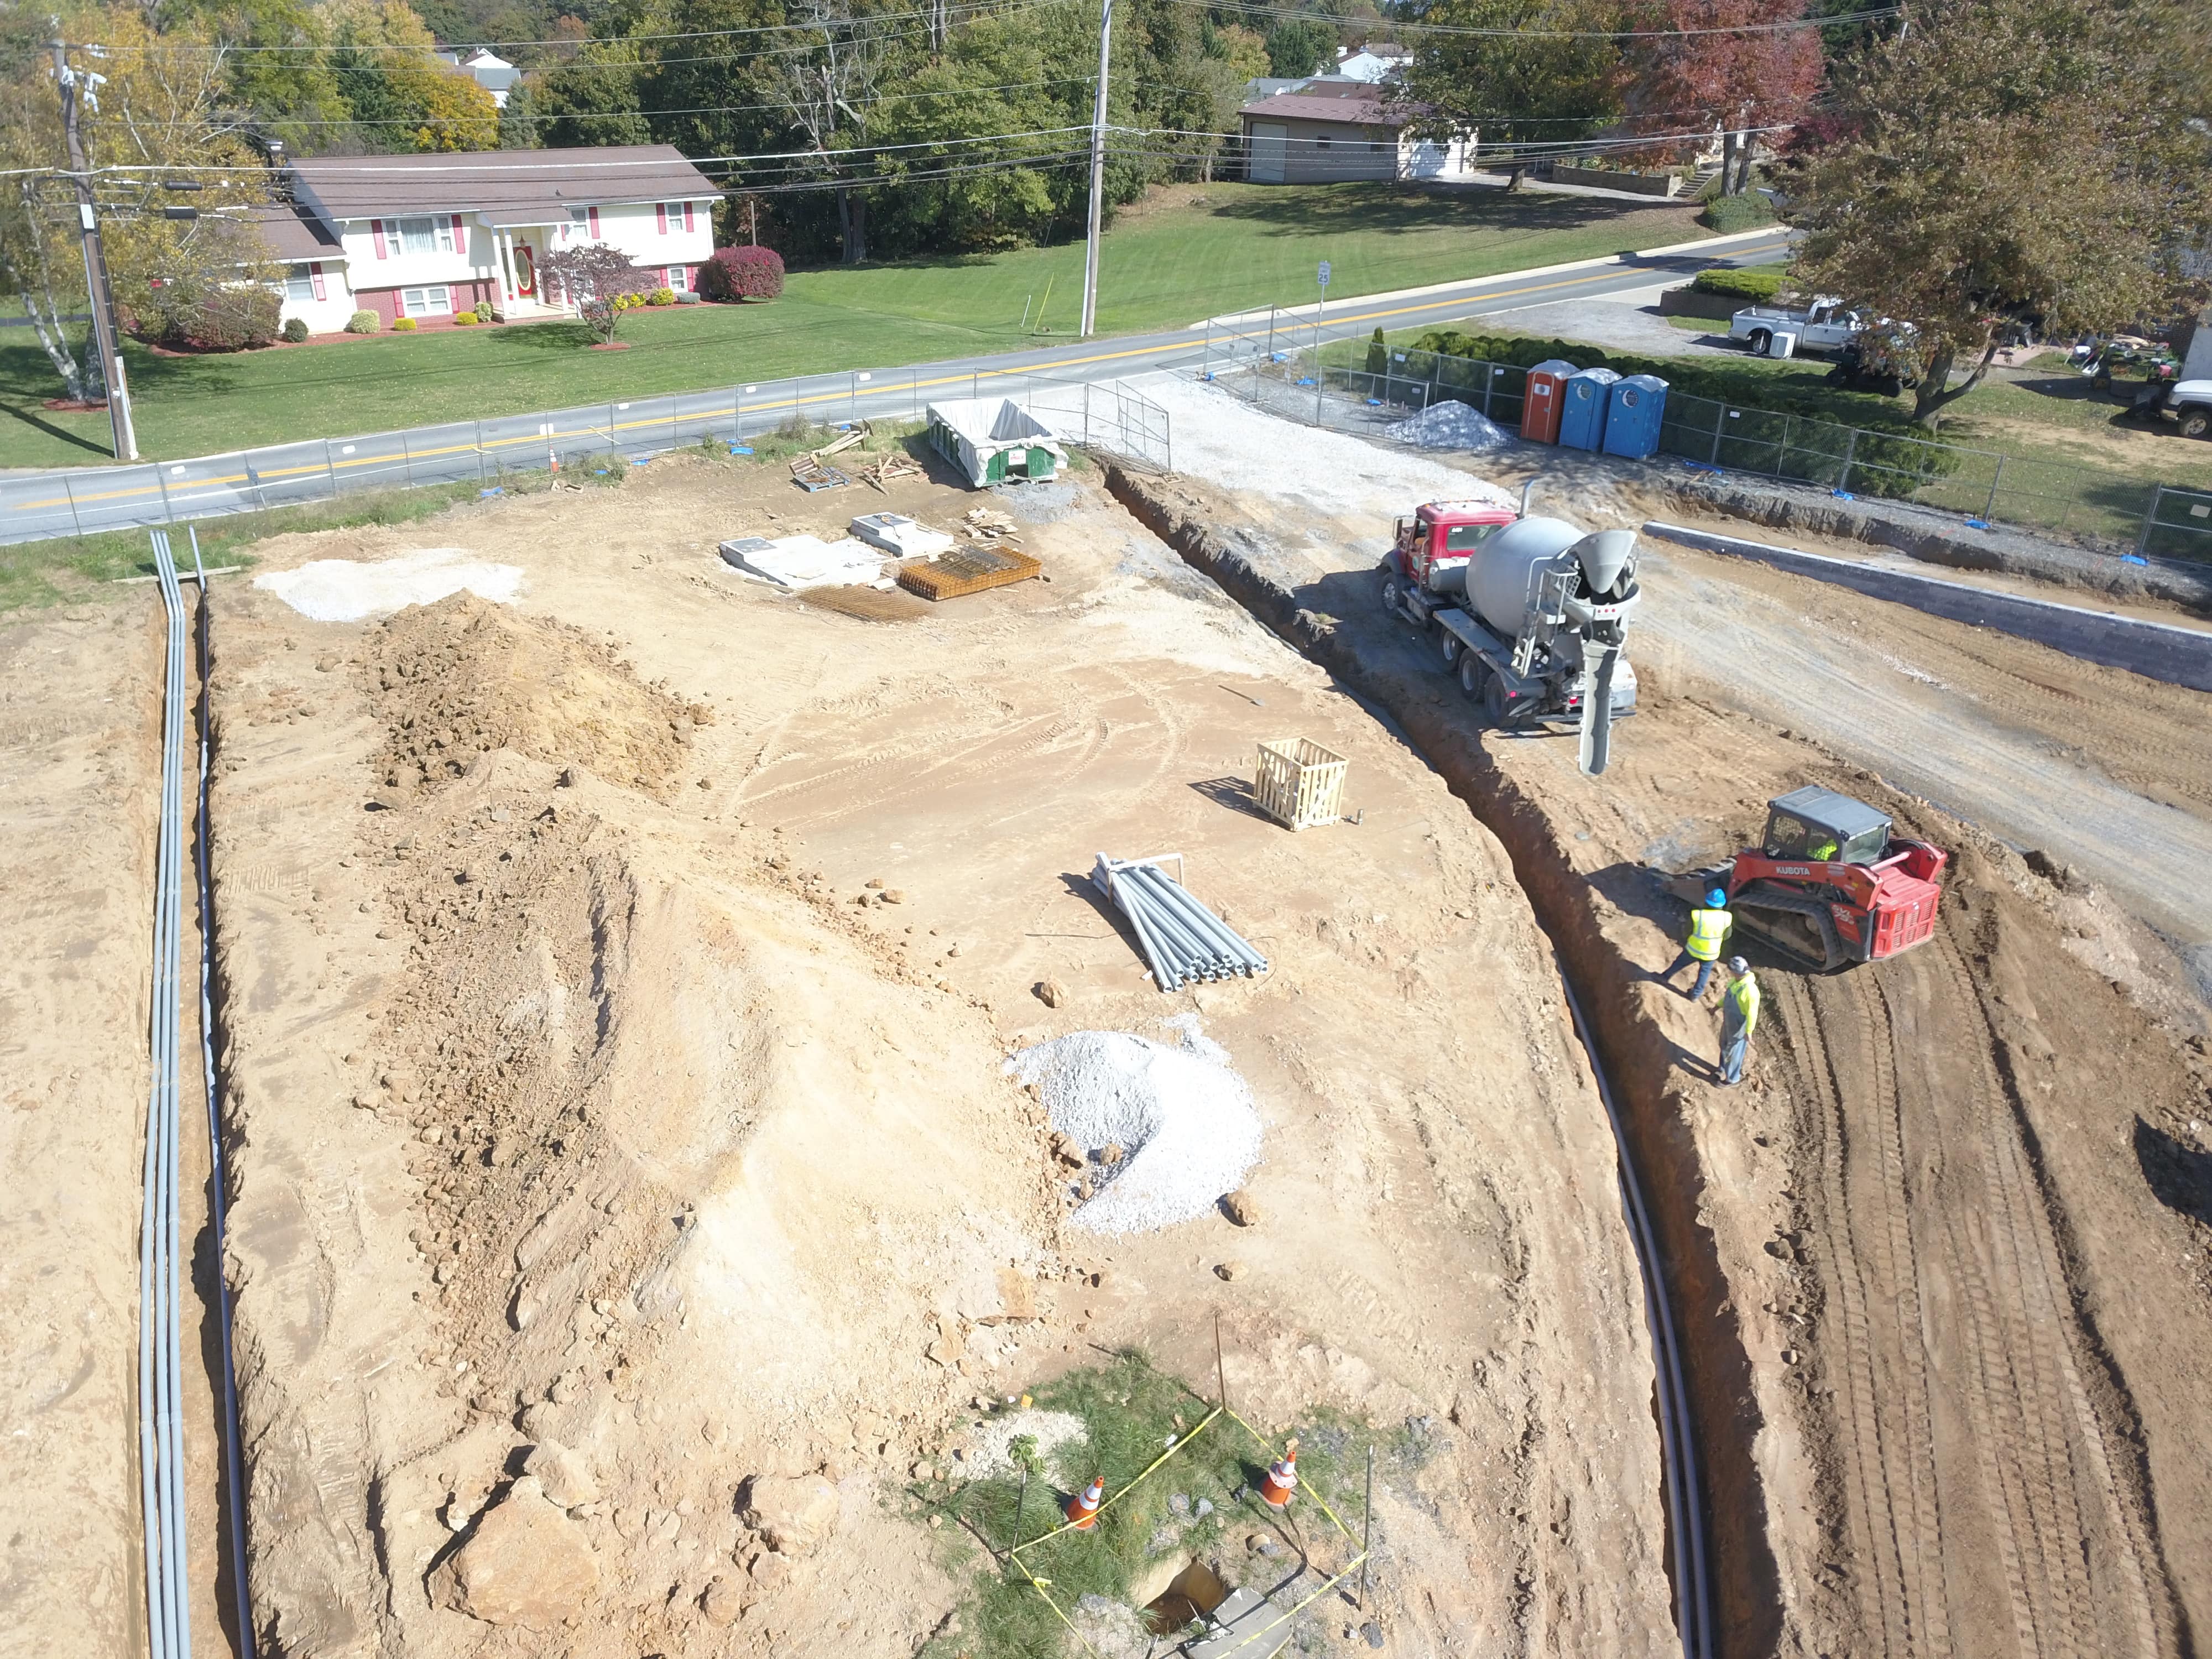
802,400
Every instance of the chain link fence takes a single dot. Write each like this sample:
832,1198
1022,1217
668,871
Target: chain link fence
1366,386
1103,415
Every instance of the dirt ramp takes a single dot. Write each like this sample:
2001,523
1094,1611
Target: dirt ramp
462,677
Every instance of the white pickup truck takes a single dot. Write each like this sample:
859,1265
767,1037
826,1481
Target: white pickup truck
1823,327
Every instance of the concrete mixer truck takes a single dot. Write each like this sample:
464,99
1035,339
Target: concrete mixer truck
1528,609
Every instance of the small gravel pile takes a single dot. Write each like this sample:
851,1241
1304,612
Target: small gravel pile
1183,1119
1449,424
986,1452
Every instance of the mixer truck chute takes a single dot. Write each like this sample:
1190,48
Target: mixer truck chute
1529,611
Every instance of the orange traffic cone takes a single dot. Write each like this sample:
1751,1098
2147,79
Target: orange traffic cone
1082,1508
1282,1478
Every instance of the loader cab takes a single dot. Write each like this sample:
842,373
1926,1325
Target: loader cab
1435,544
1820,826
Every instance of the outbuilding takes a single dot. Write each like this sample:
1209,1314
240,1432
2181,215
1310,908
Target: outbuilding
994,439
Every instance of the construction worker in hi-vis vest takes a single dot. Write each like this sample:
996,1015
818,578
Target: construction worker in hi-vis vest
1710,923
1739,1019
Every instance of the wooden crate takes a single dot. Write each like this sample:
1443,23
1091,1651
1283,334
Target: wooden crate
1298,782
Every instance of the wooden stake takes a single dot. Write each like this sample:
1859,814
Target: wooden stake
1220,1371
1367,1529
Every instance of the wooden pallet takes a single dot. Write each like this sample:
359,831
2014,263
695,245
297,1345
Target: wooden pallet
967,571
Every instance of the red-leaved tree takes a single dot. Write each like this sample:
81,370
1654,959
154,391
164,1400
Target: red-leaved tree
1737,65
742,273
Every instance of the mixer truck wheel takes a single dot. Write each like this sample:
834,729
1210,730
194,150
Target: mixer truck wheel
1501,708
1450,643
1473,672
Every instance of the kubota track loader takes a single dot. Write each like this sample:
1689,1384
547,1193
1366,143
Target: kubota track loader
1827,882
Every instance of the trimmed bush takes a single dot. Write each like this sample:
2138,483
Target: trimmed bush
295,330
1755,287
742,273
1378,355
364,322
465,320
1729,213
404,325
661,296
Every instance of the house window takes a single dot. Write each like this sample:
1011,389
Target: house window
426,236
426,301
579,224
299,286
679,279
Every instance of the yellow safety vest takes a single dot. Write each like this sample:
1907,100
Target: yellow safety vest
1708,929
1824,852
1743,995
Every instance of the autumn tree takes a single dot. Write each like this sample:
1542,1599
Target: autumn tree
1528,73
600,282
1736,64
158,105
2012,159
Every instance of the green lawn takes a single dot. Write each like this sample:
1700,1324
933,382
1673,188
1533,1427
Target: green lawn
1190,253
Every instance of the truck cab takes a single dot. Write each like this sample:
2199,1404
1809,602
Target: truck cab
1433,546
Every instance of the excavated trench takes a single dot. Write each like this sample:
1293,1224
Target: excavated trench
1638,1056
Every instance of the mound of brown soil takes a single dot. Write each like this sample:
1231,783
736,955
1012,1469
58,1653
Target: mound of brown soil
461,677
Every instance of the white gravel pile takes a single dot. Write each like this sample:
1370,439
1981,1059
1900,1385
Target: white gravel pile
986,1452
347,590
1183,1119
1449,424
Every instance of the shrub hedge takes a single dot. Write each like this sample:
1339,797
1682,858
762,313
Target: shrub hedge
1755,287
364,322
1729,213
295,330
742,273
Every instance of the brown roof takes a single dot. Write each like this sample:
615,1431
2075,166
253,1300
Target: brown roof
1299,107
293,234
511,185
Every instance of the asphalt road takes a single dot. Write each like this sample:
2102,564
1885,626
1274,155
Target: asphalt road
80,501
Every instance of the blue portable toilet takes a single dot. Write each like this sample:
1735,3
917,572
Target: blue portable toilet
1636,404
1582,416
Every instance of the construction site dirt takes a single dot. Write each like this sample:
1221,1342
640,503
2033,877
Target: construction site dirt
631,1208
616,990
1943,1260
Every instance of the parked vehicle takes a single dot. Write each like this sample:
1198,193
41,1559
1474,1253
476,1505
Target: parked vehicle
1826,325
1528,609
2187,404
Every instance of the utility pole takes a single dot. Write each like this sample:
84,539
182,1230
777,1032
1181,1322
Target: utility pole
1097,172
95,264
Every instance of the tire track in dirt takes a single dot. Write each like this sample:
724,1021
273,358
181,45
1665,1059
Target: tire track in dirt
1872,1269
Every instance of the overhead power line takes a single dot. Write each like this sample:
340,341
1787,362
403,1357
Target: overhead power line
1409,27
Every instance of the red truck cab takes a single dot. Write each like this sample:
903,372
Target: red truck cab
1433,546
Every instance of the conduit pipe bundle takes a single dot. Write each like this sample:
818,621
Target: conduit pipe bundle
160,1346
161,1419
1181,938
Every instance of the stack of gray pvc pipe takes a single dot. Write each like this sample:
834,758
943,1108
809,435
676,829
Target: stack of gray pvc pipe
1182,939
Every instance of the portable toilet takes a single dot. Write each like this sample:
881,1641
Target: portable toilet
1582,408
1636,406
1540,400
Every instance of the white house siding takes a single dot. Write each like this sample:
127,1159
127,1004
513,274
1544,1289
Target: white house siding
652,234
327,313
1318,152
1431,158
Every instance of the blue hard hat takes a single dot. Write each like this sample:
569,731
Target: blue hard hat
1716,898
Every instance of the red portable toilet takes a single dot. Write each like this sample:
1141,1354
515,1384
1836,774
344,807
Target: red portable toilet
1542,400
